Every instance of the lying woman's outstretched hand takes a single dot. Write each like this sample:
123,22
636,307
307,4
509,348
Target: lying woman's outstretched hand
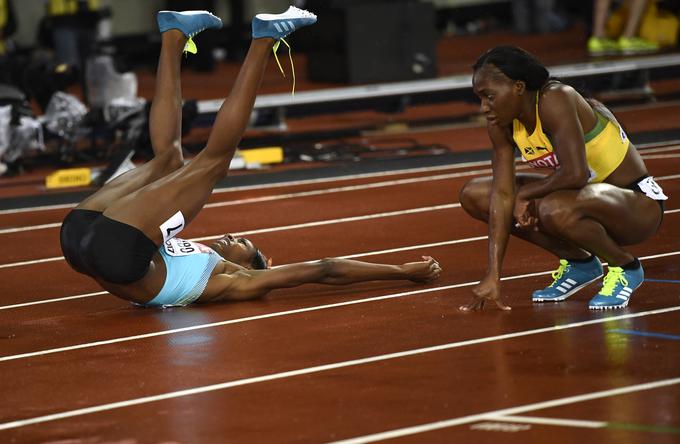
424,271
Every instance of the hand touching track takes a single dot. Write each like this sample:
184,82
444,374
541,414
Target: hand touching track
424,271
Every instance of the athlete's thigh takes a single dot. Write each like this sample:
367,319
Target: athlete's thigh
628,217
479,188
130,181
185,190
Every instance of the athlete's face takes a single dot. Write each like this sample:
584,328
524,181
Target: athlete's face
236,249
500,95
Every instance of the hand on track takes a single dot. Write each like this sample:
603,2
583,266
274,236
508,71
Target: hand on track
424,271
489,289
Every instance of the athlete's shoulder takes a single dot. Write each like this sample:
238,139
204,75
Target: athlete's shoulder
557,100
556,91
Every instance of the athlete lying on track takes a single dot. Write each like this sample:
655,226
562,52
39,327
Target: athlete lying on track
598,199
123,236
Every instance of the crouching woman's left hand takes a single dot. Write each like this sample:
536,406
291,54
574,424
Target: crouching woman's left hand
489,289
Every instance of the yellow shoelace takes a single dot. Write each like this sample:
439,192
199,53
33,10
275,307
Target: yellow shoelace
557,274
290,56
614,276
190,46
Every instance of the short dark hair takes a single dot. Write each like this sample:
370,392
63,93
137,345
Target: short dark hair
516,64
259,262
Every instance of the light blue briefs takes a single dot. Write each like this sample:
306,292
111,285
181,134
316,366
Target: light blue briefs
189,266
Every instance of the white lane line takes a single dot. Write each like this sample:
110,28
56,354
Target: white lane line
674,176
672,145
277,197
661,156
246,319
32,262
336,221
378,358
415,247
367,186
281,228
643,147
422,428
30,228
291,183
288,227
284,313
349,256
39,208
356,176
548,421
47,301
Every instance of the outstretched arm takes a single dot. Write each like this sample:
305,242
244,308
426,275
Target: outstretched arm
250,284
501,205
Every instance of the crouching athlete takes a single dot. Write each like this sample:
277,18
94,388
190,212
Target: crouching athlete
124,235
598,198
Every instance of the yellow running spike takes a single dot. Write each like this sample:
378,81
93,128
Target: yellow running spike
290,56
190,46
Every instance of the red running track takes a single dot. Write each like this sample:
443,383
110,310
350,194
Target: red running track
322,363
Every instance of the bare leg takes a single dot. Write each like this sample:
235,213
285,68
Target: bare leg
188,188
600,217
637,8
231,121
165,128
474,198
600,14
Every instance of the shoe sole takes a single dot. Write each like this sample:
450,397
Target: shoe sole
567,294
614,307
608,307
178,22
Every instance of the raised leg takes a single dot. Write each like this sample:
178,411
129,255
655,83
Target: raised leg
188,188
234,114
165,128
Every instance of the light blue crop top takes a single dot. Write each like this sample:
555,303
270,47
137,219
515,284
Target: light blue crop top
189,266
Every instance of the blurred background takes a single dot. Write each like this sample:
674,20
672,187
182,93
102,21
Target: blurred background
379,84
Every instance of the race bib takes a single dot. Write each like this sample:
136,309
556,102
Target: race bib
183,247
171,227
651,189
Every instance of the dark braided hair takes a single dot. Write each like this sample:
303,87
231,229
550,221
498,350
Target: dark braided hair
259,262
516,64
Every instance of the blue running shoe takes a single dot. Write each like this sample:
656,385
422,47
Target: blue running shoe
278,26
617,288
569,278
189,23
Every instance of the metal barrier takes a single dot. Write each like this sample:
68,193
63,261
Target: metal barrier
364,97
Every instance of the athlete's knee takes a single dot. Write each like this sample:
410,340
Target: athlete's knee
171,160
473,198
211,164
